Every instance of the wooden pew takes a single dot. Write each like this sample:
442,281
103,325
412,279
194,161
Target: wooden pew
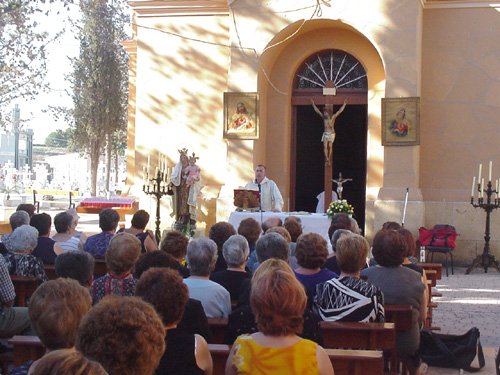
219,355
50,270
353,335
401,316
5,227
438,267
356,362
345,362
26,348
24,287
218,328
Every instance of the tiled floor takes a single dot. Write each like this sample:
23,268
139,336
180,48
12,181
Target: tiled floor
470,301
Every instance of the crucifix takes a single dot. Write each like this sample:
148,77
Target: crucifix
341,181
328,135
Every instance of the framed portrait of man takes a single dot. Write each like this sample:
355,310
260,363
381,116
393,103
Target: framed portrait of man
400,121
241,115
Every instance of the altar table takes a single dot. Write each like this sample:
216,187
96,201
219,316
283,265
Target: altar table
311,222
123,205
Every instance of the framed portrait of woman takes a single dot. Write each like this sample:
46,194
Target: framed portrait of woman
400,121
241,115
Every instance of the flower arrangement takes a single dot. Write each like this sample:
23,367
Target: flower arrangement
339,206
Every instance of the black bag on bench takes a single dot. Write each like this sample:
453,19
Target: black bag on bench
452,351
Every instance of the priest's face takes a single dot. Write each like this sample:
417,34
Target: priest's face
260,173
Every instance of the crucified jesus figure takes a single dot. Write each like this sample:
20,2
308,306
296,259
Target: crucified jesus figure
329,122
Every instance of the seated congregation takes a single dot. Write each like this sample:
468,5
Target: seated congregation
267,297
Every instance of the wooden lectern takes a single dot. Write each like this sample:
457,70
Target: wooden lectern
246,199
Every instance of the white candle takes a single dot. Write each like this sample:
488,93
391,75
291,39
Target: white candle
156,172
491,167
496,187
482,187
479,175
473,185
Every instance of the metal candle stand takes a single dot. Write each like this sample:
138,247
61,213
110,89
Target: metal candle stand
157,187
486,259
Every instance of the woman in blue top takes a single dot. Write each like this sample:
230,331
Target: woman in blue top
311,253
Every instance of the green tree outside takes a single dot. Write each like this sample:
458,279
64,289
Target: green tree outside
100,81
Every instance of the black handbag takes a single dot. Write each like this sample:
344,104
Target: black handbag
452,351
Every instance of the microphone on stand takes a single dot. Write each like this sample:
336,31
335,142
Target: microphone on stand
260,195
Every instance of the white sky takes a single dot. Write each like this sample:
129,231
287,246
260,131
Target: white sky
58,66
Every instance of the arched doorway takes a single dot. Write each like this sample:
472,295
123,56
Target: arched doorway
319,76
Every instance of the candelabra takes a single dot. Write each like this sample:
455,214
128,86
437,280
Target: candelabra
157,187
486,259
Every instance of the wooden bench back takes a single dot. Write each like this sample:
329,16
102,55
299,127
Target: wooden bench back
345,362
438,267
24,287
400,315
100,269
26,348
5,227
218,328
353,335
50,270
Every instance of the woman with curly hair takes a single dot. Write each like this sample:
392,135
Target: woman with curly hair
186,353
124,334
311,253
278,301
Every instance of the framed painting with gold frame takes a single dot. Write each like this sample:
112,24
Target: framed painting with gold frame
401,121
241,115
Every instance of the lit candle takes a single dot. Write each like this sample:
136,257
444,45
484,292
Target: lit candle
491,167
479,175
473,185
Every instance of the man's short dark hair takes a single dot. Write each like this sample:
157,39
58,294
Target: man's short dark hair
140,219
108,219
42,222
62,222
273,221
389,248
77,265
339,221
27,207
154,259
220,232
